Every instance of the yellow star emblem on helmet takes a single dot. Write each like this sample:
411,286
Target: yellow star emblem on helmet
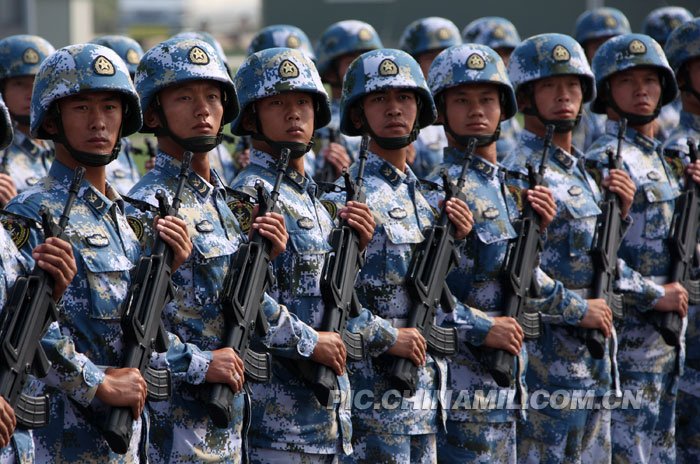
198,56
103,66
388,68
288,70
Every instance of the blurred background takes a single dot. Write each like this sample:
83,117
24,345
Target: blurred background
233,22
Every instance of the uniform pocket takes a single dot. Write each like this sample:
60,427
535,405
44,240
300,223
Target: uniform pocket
400,244
106,277
581,226
310,249
212,260
491,243
657,217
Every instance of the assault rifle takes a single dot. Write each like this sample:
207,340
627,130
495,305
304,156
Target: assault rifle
151,289
430,264
520,265
682,244
606,241
29,311
246,282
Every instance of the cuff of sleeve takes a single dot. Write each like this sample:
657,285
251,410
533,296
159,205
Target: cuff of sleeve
477,334
307,342
199,365
575,308
86,391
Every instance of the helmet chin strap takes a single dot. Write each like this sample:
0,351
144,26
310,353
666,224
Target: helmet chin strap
633,119
93,160
199,144
296,149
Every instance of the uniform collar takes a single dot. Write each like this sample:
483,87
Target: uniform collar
171,168
644,143
99,203
27,145
535,144
690,120
377,166
267,162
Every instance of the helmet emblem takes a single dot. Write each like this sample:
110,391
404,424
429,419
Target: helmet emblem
560,53
610,21
388,68
198,56
288,70
475,61
30,56
499,32
293,41
443,33
674,23
637,47
103,66
364,34
132,57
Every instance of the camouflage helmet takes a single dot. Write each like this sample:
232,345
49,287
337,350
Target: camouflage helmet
82,68
492,31
626,52
384,69
281,35
662,21
472,64
344,37
683,44
5,126
127,48
277,70
427,34
547,55
600,22
208,38
22,55
180,60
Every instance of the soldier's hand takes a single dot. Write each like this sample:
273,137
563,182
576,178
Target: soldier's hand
173,231
505,334
55,256
693,170
620,183
674,300
272,227
7,422
410,344
330,351
337,156
7,189
227,368
599,316
242,158
124,387
360,218
461,216
542,202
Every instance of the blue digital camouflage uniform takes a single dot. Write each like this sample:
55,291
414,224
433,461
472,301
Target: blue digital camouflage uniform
683,45
88,333
559,359
181,430
26,161
221,161
122,172
12,265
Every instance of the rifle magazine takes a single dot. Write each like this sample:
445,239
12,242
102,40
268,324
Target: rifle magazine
32,411
158,384
693,287
442,341
531,324
257,366
353,345
616,305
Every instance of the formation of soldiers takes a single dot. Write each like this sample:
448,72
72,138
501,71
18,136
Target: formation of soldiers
420,108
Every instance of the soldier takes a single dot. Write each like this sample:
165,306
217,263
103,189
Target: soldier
220,158
423,39
500,35
633,81
658,25
683,53
282,102
187,97
593,28
25,161
473,95
392,106
552,80
286,36
338,46
84,101
122,173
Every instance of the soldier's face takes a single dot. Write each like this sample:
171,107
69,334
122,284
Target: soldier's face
18,94
391,112
473,109
426,59
558,97
91,121
690,101
591,46
636,90
193,109
504,53
287,117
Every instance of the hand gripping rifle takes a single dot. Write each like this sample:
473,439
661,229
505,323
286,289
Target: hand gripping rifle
142,324
520,265
606,242
682,244
29,311
430,264
246,282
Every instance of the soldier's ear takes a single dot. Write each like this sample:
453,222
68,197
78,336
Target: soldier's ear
50,124
151,118
248,121
356,116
